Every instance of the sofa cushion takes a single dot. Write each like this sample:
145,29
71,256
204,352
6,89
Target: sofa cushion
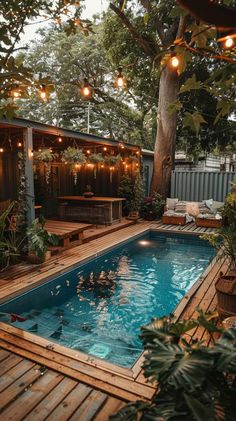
180,207
216,206
171,203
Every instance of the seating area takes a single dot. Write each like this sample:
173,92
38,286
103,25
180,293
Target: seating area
204,214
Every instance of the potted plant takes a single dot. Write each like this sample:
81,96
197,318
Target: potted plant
88,191
194,382
45,156
95,159
126,190
75,158
39,241
152,207
224,240
112,161
137,198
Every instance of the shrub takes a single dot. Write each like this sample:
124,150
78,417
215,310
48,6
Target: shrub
195,382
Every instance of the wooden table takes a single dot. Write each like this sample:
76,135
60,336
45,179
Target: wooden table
70,233
113,205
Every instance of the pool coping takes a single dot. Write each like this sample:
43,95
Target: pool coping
133,374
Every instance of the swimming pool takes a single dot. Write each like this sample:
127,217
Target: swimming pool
99,306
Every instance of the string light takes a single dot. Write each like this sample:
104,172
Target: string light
88,151
60,140
120,81
87,89
174,61
15,93
43,93
1,150
228,40
19,144
31,153
105,148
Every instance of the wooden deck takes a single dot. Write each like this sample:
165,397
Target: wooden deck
74,385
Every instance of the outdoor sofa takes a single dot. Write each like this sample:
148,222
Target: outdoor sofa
204,214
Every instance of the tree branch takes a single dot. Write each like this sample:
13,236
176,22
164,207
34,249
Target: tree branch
142,42
159,27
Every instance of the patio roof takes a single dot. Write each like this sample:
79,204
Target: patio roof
47,129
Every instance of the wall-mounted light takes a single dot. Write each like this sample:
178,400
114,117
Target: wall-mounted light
86,90
120,80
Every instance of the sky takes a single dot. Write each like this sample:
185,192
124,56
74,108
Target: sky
92,7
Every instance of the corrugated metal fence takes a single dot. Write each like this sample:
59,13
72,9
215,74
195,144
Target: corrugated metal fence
197,186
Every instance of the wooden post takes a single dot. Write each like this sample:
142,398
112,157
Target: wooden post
28,149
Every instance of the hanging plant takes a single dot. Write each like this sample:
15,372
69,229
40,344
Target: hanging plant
95,159
45,156
75,158
133,159
112,161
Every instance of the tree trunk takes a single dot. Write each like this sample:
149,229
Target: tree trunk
164,151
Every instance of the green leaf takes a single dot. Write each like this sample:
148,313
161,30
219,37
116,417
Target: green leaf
199,411
193,121
191,83
175,106
146,18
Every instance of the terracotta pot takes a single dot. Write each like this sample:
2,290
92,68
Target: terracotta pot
226,295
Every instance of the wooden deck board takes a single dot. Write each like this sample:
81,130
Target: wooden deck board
73,389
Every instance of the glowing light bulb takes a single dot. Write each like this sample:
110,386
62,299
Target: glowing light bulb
59,139
43,93
174,61
16,94
120,82
228,42
86,91
19,144
1,150
88,151
105,148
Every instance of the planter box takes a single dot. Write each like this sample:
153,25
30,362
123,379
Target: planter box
226,295
208,223
173,220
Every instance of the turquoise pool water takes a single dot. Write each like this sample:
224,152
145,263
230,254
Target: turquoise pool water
98,308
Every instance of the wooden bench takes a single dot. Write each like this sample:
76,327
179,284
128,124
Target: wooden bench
70,233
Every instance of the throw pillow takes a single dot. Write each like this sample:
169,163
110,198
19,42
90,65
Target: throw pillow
171,203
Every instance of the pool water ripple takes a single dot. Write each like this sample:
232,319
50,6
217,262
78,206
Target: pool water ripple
99,307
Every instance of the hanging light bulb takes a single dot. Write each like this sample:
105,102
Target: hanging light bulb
227,40
15,93
105,148
19,144
120,80
1,150
174,61
42,92
86,90
60,140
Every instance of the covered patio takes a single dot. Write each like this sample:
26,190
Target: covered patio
51,185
